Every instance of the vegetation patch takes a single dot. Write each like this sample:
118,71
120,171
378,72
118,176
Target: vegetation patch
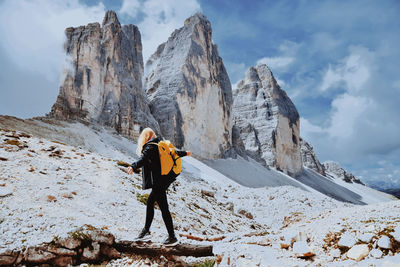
85,239
206,263
142,197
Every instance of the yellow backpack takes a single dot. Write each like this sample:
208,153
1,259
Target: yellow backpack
168,158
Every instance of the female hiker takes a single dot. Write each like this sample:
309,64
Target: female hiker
149,159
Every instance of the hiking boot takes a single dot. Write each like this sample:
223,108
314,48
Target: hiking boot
170,241
144,235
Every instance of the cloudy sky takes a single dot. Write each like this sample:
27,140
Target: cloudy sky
337,60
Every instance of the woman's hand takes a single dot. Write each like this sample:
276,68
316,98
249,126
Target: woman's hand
188,153
130,170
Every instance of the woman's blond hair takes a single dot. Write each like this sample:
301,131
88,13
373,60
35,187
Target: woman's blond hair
144,137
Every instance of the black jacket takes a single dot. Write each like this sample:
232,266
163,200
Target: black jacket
150,161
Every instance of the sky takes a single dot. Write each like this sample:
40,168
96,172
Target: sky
337,60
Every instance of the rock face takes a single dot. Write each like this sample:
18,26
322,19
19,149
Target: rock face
333,168
189,90
104,81
268,121
309,158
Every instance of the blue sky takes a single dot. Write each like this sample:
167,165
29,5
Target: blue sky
337,60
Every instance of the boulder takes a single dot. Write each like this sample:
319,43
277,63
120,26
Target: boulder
268,121
91,253
358,252
335,253
384,242
396,233
38,255
302,250
347,240
190,92
8,257
69,242
63,261
4,192
62,251
109,252
365,237
376,253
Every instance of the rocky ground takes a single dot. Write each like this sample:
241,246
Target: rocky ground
49,188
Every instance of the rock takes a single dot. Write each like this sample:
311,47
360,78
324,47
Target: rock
396,233
309,158
8,257
38,255
268,121
190,92
103,81
335,253
365,237
347,240
358,252
247,214
63,261
384,242
302,250
335,170
69,242
376,253
101,236
91,254
109,252
62,251
4,192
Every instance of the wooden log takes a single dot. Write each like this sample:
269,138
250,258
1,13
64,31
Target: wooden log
153,249
212,239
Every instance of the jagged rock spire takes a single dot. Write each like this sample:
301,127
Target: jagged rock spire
189,90
268,121
104,81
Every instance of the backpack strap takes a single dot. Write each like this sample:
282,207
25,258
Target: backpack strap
152,144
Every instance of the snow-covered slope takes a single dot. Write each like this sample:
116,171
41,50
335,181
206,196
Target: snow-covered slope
61,176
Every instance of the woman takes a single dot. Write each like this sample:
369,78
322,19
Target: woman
149,159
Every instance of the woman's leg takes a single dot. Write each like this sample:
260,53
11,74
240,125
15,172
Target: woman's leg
163,204
150,210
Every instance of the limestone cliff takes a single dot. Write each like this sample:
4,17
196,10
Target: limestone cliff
268,121
189,90
309,158
104,81
333,169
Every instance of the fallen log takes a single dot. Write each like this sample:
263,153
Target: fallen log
153,249
213,239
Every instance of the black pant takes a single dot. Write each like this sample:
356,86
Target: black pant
159,194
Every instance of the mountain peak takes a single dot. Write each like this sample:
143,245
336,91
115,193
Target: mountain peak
197,18
110,17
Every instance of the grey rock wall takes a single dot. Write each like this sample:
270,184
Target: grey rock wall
190,92
309,158
268,121
103,83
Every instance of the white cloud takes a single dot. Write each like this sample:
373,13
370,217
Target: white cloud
130,8
161,18
33,32
353,71
307,129
276,63
346,110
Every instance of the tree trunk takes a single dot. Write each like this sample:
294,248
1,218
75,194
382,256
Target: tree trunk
152,249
